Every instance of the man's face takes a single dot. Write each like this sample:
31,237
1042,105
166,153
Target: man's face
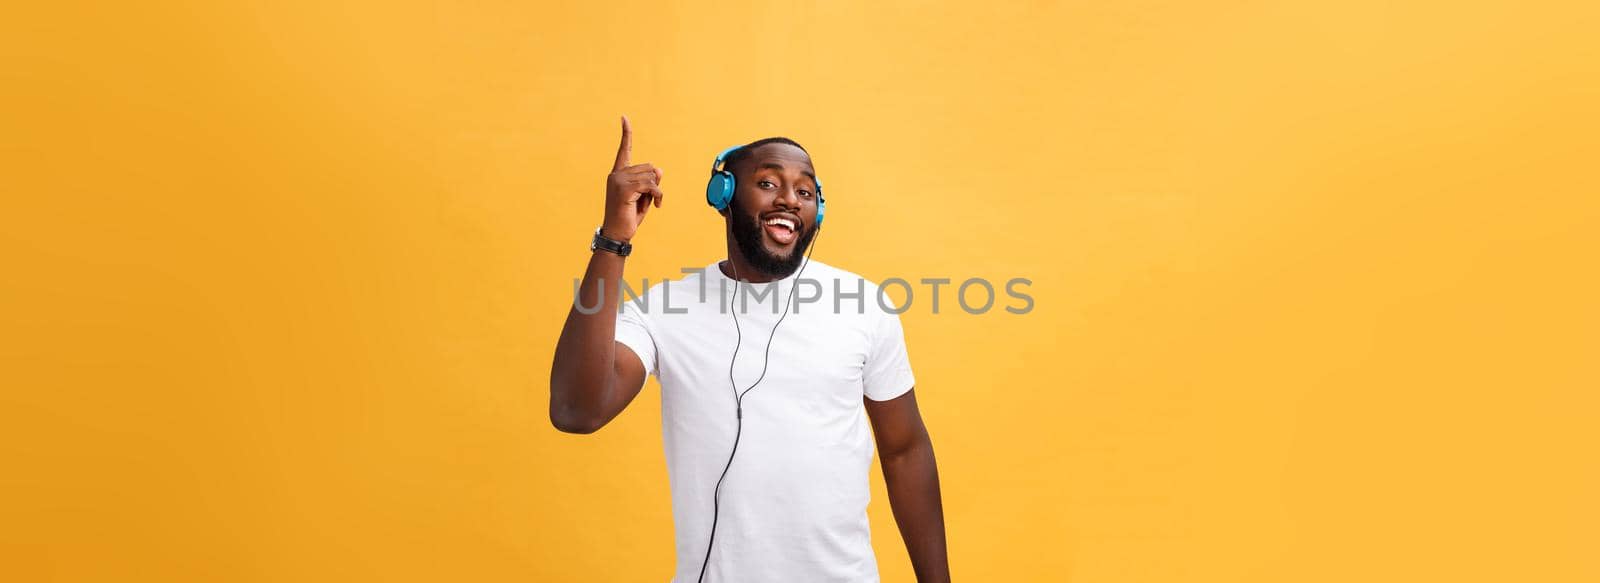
774,210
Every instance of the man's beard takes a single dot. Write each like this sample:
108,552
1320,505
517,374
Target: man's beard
748,236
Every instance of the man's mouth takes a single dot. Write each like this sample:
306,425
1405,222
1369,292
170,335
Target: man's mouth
781,230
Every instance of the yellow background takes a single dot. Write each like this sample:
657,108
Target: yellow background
1315,283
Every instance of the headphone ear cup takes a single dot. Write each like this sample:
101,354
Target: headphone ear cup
719,191
822,201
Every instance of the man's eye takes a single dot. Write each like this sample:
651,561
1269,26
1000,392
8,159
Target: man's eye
805,193
765,184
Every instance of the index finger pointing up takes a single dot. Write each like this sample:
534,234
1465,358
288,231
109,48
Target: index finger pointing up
625,148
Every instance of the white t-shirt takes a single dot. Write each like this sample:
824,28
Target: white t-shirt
793,505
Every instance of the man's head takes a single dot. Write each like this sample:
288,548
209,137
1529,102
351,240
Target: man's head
773,215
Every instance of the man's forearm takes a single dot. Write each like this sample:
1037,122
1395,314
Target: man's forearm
585,353
913,483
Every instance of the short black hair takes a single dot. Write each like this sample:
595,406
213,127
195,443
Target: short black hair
743,152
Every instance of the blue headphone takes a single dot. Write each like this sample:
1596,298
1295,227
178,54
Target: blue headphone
719,191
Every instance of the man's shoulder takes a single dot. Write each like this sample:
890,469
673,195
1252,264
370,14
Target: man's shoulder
855,296
820,271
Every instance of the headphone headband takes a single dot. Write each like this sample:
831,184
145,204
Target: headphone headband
716,165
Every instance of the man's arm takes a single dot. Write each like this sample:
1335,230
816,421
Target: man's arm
594,377
906,453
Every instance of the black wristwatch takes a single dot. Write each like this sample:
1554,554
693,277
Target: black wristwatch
609,245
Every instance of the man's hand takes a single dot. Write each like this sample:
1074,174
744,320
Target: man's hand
630,190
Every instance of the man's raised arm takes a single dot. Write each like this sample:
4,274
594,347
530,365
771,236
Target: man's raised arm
589,382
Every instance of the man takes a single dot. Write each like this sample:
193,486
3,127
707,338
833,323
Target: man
762,408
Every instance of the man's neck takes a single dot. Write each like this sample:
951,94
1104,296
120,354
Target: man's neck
737,269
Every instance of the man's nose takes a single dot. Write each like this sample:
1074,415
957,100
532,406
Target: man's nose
789,197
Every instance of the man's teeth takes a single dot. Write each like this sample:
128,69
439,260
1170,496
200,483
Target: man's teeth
780,221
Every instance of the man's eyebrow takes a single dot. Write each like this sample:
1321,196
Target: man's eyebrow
777,166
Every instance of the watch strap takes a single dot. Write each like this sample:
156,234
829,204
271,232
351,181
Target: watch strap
609,245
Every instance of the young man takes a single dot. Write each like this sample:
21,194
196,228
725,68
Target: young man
762,395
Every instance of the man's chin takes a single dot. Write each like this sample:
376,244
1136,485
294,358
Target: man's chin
778,264
776,259
778,254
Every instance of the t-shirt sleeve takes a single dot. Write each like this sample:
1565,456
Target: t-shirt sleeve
888,369
633,331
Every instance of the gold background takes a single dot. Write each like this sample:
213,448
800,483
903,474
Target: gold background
1315,283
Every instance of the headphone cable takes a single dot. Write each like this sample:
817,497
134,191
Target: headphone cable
738,397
